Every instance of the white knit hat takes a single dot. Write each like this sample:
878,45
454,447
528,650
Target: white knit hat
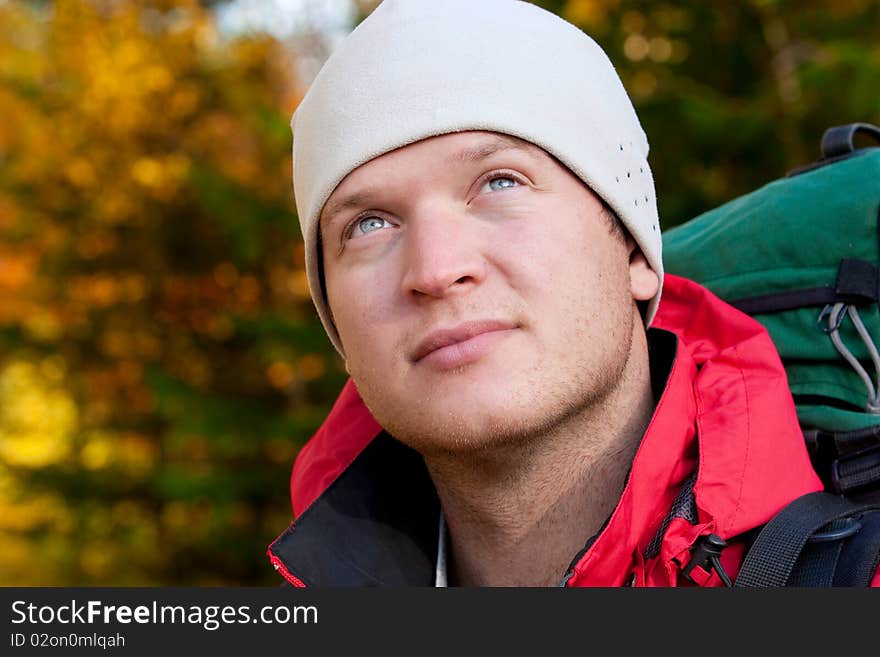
415,69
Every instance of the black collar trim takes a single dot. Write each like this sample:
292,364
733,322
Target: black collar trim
375,525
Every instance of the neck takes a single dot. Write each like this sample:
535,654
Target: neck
517,516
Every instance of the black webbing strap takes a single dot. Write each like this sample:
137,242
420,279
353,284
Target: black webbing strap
852,472
773,555
846,460
860,555
840,139
779,301
845,442
858,282
838,143
817,563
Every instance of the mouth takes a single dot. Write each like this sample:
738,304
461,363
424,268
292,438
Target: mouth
462,344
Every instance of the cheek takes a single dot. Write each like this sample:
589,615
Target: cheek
577,279
360,303
523,253
549,258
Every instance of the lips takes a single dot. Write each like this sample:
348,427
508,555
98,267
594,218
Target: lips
457,335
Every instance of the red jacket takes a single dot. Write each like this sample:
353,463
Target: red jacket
721,455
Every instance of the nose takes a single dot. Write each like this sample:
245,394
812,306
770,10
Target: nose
443,254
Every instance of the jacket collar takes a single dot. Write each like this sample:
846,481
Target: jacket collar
724,450
376,525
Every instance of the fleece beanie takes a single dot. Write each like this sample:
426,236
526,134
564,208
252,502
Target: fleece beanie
415,69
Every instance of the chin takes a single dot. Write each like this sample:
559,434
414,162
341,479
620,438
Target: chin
472,426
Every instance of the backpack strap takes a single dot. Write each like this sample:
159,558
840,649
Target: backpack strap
780,544
860,556
820,557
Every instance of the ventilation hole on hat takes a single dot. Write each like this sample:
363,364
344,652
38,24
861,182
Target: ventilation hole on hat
621,147
627,174
646,199
637,201
617,178
641,170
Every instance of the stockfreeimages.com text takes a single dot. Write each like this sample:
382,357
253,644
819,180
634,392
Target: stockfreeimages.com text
210,617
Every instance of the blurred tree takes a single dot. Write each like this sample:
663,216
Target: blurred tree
734,94
160,361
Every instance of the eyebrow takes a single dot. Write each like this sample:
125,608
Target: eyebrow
474,154
356,199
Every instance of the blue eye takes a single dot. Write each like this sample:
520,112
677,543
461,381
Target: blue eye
502,182
369,225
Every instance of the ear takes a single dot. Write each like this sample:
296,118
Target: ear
643,280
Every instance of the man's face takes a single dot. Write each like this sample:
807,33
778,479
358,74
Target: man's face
478,290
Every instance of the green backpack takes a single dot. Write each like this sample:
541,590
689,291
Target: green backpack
802,256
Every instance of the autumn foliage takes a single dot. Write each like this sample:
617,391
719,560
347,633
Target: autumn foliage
160,362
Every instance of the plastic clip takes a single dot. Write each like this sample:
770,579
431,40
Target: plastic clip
706,554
